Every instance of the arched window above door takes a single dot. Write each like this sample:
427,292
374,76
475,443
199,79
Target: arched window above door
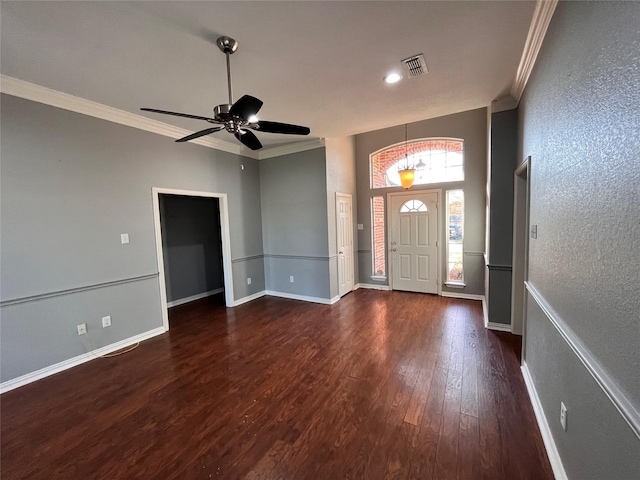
436,160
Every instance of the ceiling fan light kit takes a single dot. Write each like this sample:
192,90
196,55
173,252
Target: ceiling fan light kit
237,118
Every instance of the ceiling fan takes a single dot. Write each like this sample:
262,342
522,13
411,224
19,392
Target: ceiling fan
238,118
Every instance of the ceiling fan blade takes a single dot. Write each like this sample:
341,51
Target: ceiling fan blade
245,107
249,139
179,114
199,134
277,127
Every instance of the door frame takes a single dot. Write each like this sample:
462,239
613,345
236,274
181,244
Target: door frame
520,260
224,237
439,242
350,197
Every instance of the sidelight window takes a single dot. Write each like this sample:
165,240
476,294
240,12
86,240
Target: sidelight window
455,237
378,253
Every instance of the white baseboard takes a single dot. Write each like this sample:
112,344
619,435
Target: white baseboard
75,361
547,437
485,311
464,296
371,286
193,298
498,327
248,298
304,298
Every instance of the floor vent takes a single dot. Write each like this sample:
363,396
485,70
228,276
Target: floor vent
415,66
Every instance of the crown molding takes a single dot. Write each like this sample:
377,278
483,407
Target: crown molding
537,30
37,93
290,148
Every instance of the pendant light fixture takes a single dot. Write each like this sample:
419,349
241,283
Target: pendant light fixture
406,170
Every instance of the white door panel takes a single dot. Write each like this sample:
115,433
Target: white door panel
344,227
423,268
413,237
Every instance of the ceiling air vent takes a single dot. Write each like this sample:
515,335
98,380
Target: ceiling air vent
415,66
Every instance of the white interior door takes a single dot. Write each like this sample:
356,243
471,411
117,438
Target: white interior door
413,241
344,228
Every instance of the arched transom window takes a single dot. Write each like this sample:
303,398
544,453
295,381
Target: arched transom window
413,206
436,160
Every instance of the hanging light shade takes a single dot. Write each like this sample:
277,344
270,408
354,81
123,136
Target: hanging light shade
406,171
407,176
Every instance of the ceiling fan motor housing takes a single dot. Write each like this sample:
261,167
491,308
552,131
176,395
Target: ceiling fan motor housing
221,112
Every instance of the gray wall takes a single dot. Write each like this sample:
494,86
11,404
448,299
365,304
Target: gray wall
579,118
295,224
71,184
191,245
471,127
341,178
503,160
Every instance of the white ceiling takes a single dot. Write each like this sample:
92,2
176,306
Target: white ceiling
318,64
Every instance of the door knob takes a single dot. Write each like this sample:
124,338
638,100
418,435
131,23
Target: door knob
393,249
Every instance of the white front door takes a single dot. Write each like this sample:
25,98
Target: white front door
413,241
344,230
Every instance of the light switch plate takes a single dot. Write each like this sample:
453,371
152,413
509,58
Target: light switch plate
534,231
124,238
360,226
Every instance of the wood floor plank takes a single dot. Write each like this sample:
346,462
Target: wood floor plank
468,453
379,385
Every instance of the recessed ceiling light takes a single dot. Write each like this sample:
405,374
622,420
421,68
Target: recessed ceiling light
393,77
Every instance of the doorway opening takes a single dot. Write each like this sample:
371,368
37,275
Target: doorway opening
520,246
193,247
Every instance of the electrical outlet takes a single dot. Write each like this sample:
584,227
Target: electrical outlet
563,416
291,279
106,321
124,238
249,281
82,329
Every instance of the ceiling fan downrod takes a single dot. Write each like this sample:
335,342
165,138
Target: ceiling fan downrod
228,46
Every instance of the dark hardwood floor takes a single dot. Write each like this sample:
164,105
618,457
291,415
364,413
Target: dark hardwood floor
379,385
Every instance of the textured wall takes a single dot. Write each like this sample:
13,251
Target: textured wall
341,178
504,160
71,184
580,118
502,163
471,127
295,224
